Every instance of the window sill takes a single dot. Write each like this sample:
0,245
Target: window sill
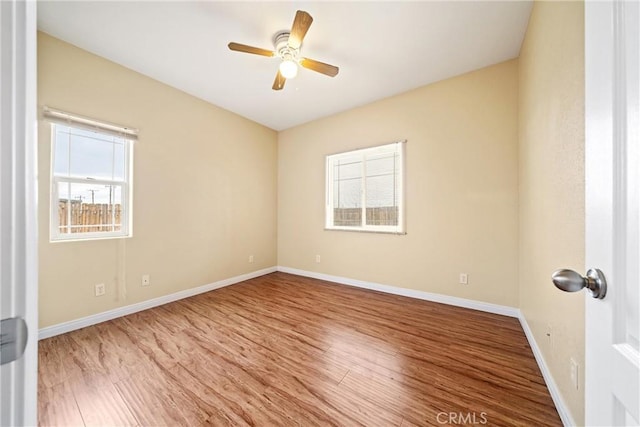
89,238
364,230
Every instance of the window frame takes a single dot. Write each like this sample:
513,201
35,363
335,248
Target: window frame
126,185
400,229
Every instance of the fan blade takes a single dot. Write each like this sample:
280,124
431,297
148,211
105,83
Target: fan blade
278,83
299,29
320,67
250,49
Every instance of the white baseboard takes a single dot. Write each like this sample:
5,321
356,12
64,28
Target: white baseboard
412,293
83,322
561,406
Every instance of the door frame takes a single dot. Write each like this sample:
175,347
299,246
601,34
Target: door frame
18,193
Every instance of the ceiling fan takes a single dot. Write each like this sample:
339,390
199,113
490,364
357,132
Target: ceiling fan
287,47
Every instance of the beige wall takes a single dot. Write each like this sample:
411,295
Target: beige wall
551,175
461,189
495,188
204,189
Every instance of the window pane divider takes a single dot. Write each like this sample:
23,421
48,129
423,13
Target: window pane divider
76,180
363,192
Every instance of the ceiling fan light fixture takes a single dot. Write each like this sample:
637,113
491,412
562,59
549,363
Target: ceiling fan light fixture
287,47
288,68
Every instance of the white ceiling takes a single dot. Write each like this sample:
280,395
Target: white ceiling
382,48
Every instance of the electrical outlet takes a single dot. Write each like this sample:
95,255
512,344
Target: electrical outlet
100,289
317,258
573,372
250,258
464,279
146,280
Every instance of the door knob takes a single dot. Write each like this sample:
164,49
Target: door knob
570,281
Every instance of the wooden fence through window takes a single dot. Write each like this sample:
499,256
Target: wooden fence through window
345,217
88,217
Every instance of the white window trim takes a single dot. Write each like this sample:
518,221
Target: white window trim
126,229
399,229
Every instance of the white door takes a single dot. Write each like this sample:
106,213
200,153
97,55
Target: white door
18,242
612,377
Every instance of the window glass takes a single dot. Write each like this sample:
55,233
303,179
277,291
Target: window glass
90,184
364,189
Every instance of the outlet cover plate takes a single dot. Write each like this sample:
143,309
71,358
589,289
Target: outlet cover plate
100,289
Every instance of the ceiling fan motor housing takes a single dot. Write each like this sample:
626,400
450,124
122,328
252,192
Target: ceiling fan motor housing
282,48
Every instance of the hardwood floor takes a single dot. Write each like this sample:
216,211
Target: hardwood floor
285,350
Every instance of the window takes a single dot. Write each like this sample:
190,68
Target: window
365,190
90,178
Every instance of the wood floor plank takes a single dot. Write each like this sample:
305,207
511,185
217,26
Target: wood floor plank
156,399
288,350
99,402
74,359
57,406
394,396
51,371
160,345
230,382
248,343
332,402
109,349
